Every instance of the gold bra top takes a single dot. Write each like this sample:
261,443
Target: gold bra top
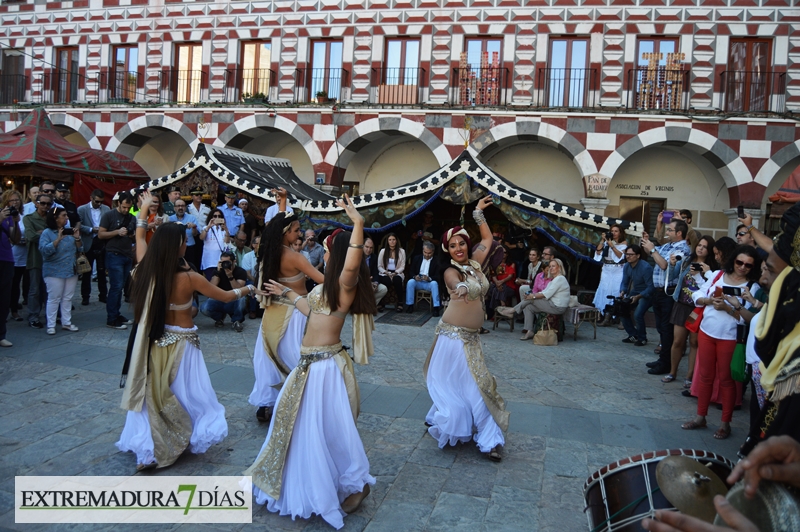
318,305
477,284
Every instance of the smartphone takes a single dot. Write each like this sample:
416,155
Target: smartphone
732,291
718,291
697,266
666,216
740,211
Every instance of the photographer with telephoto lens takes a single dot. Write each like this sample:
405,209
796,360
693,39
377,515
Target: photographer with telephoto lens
227,277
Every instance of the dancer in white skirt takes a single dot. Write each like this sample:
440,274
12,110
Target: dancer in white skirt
277,348
313,461
168,394
612,254
464,393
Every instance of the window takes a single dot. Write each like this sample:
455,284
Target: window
66,75
567,75
480,74
186,80
255,73
635,209
660,80
12,76
399,79
326,75
124,73
747,83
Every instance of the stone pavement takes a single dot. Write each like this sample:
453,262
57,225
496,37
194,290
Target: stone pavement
574,408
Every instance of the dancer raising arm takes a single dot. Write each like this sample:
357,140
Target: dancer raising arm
277,348
167,391
463,391
313,461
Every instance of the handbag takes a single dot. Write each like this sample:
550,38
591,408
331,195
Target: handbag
693,321
546,335
82,264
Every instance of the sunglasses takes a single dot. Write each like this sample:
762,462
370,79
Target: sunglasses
216,216
46,203
741,233
741,264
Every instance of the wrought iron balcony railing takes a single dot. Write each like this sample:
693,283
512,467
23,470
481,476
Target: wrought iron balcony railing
401,86
567,87
12,88
658,88
243,84
182,86
479,86
753,91
311,83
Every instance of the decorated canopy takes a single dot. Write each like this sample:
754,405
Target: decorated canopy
255,175
462,181
36,149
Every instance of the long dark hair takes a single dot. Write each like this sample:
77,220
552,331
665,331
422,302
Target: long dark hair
622,236
158,267
710,260
364,302
52,215
725,246
270,250
387,250
755,272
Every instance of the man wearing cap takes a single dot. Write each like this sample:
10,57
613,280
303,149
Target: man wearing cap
198,209
62,197
234,218
173,195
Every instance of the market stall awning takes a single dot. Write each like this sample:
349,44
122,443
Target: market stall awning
462,181
36,149
253,174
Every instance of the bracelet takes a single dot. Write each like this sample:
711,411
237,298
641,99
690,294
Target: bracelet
298,298
141,223
285,291
462,284
750,227
238,293
357,246
479,217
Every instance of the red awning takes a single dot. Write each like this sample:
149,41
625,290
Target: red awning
790,190
36,149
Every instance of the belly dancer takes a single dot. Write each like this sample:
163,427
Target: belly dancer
313,460
466,404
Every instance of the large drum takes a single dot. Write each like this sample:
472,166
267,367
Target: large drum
620,495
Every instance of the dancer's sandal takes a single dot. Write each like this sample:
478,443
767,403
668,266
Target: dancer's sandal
692,425
484,331
722,433
669,377
494,454
353,502
146,467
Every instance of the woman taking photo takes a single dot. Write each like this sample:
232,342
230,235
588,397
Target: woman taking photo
167,391
59,247
464,393
717,337
277,348
612,254
215,239
313,460
155,217
503,285
391,263
10,237
691,272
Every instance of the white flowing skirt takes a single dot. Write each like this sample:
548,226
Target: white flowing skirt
267,375
458,409
610,281
326,461
192,387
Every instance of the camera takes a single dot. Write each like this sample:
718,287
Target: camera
697,266
622,306
226,265
732,291
678,257
12,211
609,236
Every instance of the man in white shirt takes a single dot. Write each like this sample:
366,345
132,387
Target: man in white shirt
94,248
29,207
197,209
272,210
424,276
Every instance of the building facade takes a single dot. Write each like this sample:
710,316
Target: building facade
621,107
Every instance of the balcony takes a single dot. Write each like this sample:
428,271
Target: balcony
397,86
309,83
182,86
753,91
65,84
659,88
12,88
479,86
120,86
567,87
243,84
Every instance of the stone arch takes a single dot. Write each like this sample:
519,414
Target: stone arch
347,145
774,164
76,124
276,122
727,162
532,130
156,121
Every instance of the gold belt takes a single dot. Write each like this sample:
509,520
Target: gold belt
172,337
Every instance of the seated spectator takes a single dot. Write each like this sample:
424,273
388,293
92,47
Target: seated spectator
540,282
391,264
554,299
372,264
227,276
503,286
526,276
424,275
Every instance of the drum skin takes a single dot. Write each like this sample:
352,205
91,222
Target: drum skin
626,480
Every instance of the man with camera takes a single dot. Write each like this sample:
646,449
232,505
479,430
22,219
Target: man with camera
227,276
315,252
635,292
190,222
676,245
424,276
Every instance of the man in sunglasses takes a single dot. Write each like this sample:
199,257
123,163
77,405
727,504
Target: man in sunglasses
745,236
676,245
35,223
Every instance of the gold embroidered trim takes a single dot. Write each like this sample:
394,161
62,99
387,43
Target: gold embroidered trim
273,326
171,337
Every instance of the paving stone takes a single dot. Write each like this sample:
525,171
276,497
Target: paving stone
43,449
457,512
573,424
397,516
442,458
626,431
20,386
513,507
389,401
476,480
417,483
